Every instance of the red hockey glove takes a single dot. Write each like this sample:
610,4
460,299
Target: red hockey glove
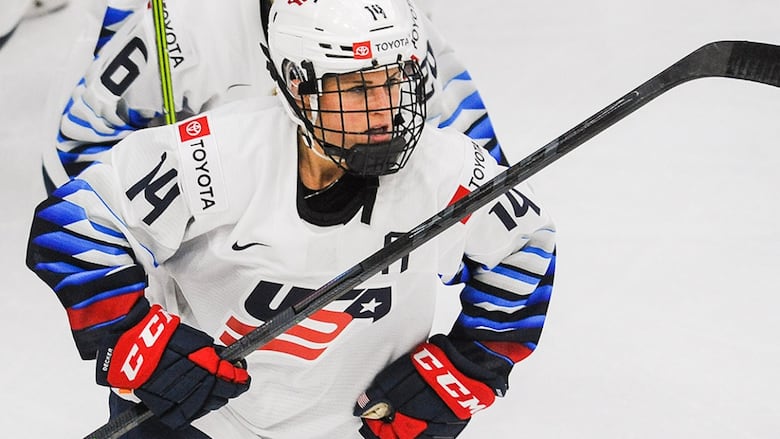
173,368
432,393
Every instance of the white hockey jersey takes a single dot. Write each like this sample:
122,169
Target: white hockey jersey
210,205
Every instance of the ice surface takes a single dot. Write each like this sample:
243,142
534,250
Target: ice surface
664,318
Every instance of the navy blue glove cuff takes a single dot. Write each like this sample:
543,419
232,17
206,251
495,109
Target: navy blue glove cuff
476,361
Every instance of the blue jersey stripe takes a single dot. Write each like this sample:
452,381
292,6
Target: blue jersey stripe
540,295
57,267
470,102
102,42
104,324
497,154
68,106
114,16
135,118
463,275
537,251
70,245
474,296
483,130
72,187
94,149
532,322
66,157
83,123
81,278
63,213
514,274
108,231
109,294
462,76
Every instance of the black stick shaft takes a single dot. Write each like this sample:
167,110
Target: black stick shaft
745,60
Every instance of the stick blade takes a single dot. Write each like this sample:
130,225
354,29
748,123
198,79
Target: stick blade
746,60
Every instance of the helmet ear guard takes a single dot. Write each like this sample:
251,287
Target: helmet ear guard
302,77
300,81
289,95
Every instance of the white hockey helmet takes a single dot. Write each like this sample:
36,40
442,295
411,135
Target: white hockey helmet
309,40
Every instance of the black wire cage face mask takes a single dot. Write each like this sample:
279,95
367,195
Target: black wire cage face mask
368,121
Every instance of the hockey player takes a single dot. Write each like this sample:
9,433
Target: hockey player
248,208
121,93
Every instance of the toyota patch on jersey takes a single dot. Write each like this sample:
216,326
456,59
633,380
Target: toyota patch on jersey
203,180
193,129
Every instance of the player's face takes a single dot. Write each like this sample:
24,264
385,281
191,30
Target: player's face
359,107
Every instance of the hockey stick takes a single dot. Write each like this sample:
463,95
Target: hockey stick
749,61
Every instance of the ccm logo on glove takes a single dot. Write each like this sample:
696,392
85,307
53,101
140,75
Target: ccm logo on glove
142,345
463,395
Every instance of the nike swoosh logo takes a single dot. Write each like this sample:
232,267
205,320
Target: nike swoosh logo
238,247
232,86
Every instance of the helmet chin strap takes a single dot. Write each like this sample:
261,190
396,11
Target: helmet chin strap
309,142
